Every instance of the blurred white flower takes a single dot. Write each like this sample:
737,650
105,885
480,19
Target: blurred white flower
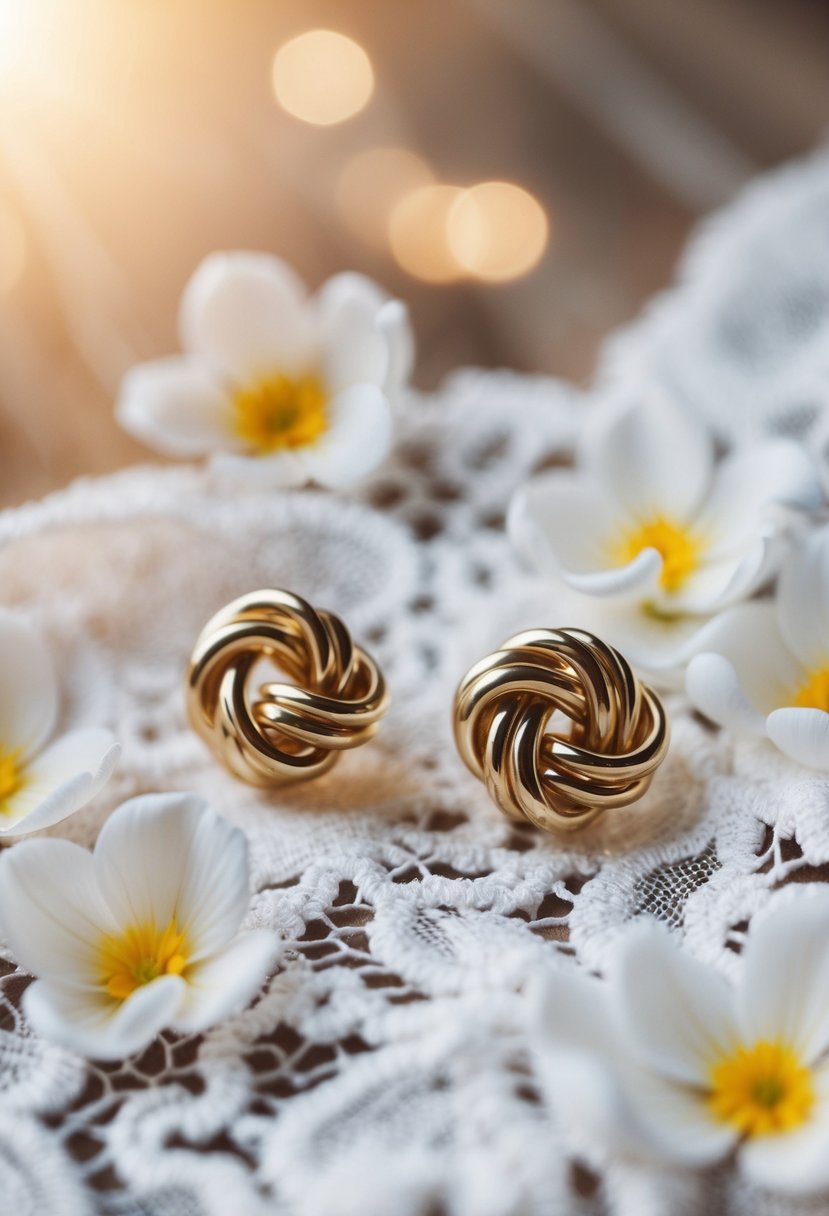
138,935
666,1061
653,532
764,667
41,782
273,385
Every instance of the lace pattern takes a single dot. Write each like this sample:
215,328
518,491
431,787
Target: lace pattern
386,1066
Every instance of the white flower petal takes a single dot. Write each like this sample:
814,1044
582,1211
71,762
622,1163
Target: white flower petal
356,354
393,321
351,306
783,991
178,407
345,289
801,734
749,484
29,697
653,643
679,1121
95,1025
569,1008
248,314
564,523
51,911
654,458
354,348
803,600
715,585
225,982
677,1015
590,1102
579,1052
744,669
62,779
631,1113
714,689
358,438
276,472
169,857
597,1088
639,578
796,1162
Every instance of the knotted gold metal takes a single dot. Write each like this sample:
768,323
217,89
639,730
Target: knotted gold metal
559,780
280,733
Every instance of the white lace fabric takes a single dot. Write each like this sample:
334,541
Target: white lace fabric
387,1065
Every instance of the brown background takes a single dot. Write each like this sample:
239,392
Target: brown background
136,136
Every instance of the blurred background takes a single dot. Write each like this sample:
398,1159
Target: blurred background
523,172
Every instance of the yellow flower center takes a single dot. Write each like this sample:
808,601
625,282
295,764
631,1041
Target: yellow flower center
140,955
281,412
762,1090
679,547
814,693
12,778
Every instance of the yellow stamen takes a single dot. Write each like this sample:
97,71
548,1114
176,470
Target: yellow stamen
12,778
680,548
140,955
814,693
762,1090
281,412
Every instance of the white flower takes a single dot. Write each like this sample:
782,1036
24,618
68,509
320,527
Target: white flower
667,1061
138,935
765,666
274,385
41,782
649,528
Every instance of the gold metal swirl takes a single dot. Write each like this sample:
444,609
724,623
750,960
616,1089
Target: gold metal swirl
289,731
559,780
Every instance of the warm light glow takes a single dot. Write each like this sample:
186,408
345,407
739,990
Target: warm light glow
12,251
418,233
322,77
372,184
31,32
497,231
13,23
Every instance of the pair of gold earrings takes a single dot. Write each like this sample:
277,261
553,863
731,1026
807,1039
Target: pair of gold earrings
556,779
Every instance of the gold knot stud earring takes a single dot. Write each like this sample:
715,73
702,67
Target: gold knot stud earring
289,731
559,780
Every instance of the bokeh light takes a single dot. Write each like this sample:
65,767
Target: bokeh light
496,231
12,250
418,233
372,184
322,77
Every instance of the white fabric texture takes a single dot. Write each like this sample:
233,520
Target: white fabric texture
386,1065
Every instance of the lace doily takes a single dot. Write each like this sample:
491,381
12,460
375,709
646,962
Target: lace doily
744,341
386,1067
